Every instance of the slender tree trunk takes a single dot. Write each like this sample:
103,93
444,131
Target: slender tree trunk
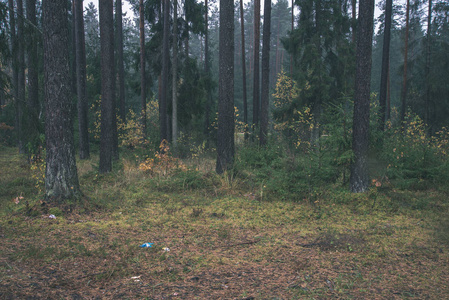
175,76
293,27
121,68
404,79
12,25
388,112
359,179
73,51
256,80
32,110
245,101
165,71
225,142
265,73
354,20
207,71
61,177
106,11
143,90
428,48
33,84
21,76
385,64
83,125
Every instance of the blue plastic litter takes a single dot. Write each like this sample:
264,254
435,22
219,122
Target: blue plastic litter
146,245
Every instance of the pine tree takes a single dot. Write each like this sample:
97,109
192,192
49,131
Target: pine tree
225,142
265,73
359,179
61,177
83,125
107,85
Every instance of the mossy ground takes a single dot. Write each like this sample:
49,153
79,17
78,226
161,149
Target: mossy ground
226,241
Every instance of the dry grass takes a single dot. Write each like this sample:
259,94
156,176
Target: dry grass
224,242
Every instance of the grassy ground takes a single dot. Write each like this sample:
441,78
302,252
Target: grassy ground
225,241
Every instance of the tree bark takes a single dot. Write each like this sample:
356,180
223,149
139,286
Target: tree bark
359,179
265,73
84,151
143,89
15,74
245,101
428,48
61,177
207,71
404,78
33,81
175,76
385,65
225,142
73,51
120,64
107,84
256,81
293,27
165,76
20,101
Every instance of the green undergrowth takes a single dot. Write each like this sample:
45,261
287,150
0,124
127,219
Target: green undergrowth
237,235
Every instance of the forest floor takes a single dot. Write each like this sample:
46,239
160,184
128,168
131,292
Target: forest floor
215,239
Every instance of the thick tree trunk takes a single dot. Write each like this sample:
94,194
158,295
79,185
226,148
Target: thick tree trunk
256,81
404,78
265,73
245,101
61,177
107,85
120,64
143,89
175,76
225,142
84,152
165,73
359,179
385,65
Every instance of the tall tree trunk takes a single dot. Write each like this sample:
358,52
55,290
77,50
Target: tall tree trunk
225,142
21,76
73,52
83,124
245,101
106,11
293,27
385,64
33,87
359,179
354,20
265,73
32,110
120,64
207,71
61,177
404,78
165,76
428,48
12,25
143,90
256,81
175,76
